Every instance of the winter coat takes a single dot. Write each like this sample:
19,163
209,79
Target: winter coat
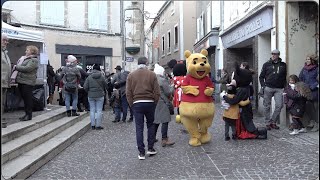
84,76
95,84
295,102
273,74
115,99
162,113
70,74
50,75
121,79
5,69
27,71
309,76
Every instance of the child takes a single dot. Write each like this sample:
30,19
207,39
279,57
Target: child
231,112
115,103
296,95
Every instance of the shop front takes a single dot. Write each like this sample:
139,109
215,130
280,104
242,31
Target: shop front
249,41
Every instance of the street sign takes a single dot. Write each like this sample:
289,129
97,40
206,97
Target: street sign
129,59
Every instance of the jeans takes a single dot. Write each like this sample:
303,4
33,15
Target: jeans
164,130
117,112
125,106
277,93
96,108
74,100
141,110
26,94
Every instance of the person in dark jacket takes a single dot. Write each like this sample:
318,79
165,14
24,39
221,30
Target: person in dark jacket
308,75
296,95
82,94
95,85
26,79
224,80
273,80
51,82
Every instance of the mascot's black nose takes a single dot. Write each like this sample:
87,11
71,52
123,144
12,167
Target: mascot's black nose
202,64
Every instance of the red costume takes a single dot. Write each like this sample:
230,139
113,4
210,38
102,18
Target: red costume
177,81
202,83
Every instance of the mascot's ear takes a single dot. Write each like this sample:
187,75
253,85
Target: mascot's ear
187,53
204,52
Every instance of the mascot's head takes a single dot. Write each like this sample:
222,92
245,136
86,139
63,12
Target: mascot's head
243,77
180,68
197,64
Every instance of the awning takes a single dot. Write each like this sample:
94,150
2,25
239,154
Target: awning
21,34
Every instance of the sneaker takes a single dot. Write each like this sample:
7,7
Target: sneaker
93,127
142,156
294,132
234,137
302,130
227,138
151,151
268,127
274,126
130,120
99,128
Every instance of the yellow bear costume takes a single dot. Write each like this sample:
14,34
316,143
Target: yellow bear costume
197,107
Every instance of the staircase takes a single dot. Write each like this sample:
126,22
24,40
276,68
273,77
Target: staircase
28,145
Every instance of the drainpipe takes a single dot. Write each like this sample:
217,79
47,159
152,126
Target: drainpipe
123,37
181,30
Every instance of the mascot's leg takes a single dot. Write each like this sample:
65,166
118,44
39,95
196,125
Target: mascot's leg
192,127
204,124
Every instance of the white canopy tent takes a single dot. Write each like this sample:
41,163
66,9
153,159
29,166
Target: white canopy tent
19,39
21,34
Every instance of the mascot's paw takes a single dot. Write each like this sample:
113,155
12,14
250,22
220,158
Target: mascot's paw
178,119
205,138
194,142
190,90
208,91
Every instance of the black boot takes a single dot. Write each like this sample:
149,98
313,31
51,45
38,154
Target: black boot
69,113
74,113
27,117
23,117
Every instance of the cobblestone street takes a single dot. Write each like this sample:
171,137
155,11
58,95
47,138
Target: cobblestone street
112,154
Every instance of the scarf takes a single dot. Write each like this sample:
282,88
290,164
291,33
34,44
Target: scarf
142,66
309,67
15,72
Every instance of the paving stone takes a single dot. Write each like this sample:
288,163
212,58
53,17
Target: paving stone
112,154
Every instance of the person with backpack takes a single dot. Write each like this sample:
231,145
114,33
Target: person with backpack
119,81
71,78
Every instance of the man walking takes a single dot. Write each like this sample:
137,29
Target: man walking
273,80
5,74
143,92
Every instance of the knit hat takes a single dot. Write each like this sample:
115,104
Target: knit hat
71,59
158,69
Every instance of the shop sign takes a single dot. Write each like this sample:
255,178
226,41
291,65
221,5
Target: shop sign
129,59
248,29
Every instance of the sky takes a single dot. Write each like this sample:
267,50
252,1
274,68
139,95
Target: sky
152,7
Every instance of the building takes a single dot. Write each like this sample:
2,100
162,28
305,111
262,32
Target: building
90,30
173,31
251,29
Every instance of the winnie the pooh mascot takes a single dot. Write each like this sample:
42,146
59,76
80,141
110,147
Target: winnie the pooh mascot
197,108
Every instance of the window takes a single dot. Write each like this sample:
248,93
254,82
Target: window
52,13
169,42
97,15
208,19
176,39
200,27
163,45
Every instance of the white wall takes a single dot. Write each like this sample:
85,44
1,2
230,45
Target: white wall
23,11
115,16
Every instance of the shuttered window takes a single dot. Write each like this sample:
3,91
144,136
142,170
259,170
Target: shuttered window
97,15
52,12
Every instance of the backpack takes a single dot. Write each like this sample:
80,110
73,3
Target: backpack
70,86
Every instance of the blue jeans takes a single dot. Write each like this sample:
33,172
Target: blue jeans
74,100
141,110
117,112
96,105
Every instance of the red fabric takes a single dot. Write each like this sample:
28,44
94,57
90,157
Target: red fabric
177,81
241,132
202,83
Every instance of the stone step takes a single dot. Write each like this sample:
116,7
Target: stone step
18,129
27,163
26,142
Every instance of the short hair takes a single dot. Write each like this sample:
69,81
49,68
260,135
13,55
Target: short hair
245,65
142,60
33,49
